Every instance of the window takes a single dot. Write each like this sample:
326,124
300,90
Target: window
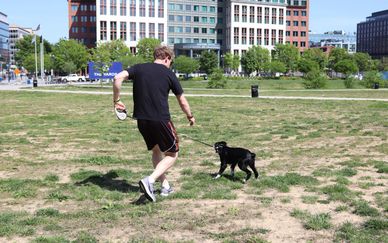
204,9
236,35
273,37
244,36
251,36
274,14
204,41
196,8
303,33
74,19
179,29
74,29
103,7
196,19
296,23
123,31
196,40
212,30
251,14
74,7
142,9
204,30
113,7
151,8
304,13
132,31
196,30
212,20
288,12
151,30
179,18
123,7
266,37
288,23
281,16
212,9
113,30
296,13
258,40
295,43
204,19
266,16
302,44
171,18
244,13
103,30
161,8
161,32
170,40
295,33
236,13
132,7
259,15
171,29
188,18
281,37
142,27
188,7
188,29
304,23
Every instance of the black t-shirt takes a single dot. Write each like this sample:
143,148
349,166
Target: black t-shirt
152,83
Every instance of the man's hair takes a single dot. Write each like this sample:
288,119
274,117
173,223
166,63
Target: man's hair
161,52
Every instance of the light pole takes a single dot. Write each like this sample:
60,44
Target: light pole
35,82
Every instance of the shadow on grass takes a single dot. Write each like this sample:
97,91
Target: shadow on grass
109,182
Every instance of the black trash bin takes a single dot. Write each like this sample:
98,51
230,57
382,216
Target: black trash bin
376,85
35,83
255,91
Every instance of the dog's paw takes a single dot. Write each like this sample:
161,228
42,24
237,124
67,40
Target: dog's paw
216,177
244,181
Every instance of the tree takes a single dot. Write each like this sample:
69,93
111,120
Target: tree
26,47
131,60
208,61
70,51
255,59
29,62
336,55
314,79
307,65
145,48
276,67
217,80
371,78
117,49
316,55
184,64
287,54
364,61
231,62
346,67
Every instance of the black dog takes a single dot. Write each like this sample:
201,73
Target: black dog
235,156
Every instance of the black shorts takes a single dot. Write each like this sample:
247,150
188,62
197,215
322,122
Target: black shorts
160,133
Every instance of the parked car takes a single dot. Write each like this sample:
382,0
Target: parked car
73,78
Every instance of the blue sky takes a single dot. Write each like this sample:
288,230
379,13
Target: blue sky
325,15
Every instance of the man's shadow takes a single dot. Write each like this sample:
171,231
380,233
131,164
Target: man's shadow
109,182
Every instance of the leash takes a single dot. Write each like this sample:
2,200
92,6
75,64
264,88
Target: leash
196,140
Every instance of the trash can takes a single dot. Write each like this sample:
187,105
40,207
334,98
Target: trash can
255,91
376,85
35,83
28,81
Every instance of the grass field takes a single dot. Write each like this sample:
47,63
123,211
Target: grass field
69,171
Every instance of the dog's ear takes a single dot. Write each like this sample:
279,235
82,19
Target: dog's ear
223,143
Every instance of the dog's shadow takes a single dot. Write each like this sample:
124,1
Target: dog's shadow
109,182
227,176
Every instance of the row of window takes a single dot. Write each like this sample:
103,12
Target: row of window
135,30
297,44
296,33
194,8
83,19
83,29
256,14
252,36
195,30
196,19
297,2
143,8
82,7
296,13
296,23
172,40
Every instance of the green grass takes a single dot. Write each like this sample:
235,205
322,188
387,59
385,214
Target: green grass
371,231
312,221
69,167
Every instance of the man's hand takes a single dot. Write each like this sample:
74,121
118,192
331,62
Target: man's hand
191,120
119,105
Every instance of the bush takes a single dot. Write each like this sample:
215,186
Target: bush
314,80
217,79
371,78
349,82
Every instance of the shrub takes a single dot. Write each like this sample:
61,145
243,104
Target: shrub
349,82
314,80
372,78
217,79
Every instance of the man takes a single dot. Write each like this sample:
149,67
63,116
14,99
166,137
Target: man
151,85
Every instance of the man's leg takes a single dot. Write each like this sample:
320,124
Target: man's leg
166,163
157,156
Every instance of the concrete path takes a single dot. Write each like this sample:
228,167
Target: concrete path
21,86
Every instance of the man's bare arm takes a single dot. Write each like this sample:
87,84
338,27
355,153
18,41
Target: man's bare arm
117,81
184,104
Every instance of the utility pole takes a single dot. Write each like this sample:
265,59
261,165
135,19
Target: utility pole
35,81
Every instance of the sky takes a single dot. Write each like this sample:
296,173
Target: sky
325,15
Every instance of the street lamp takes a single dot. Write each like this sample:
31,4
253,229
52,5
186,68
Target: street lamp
36,57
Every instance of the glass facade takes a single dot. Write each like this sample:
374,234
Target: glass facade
4,40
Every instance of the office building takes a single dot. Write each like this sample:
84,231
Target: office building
297,23
338,39
16,33
193,26
4,41
372,35
82,21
